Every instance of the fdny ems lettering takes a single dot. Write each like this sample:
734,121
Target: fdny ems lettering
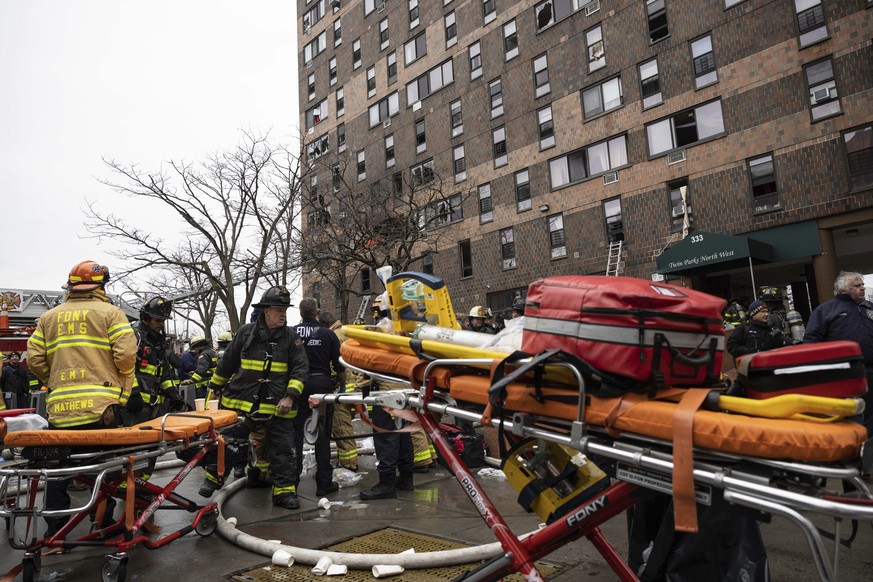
73,375
72,405
73,322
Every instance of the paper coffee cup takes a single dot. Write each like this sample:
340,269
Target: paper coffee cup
337,570
199,403
386,570
322,566
324,503
282,558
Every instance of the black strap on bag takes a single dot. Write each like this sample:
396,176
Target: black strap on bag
707,358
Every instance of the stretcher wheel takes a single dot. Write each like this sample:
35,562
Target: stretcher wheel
208,524
30,567
114,569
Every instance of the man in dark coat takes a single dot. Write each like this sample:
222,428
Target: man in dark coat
757,335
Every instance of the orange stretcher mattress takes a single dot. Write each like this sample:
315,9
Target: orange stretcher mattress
177,427
796,440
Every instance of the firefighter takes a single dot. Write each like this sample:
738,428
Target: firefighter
261,377
223,341
190,359
155,384
734,314
204,367
476,320
84,351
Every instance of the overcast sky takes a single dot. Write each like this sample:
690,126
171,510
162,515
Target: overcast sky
137,81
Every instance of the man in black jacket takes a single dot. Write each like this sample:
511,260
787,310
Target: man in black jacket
757,335
261,376
15,380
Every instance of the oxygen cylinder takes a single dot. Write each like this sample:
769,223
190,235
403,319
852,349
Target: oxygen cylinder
795,325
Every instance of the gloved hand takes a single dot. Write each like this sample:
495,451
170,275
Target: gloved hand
135,403
214,389
186,382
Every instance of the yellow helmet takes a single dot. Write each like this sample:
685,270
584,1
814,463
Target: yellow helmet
224,337
198,341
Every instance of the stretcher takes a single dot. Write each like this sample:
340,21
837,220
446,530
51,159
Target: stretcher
777,465
109,462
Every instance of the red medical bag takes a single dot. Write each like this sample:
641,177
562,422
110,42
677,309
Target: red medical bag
833,369
652,334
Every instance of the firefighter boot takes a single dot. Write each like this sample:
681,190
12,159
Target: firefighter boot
287,501
254,480
386,488
404,482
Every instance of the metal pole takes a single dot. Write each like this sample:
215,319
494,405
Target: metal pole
752,273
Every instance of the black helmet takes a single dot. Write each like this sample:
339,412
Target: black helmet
275,297
156,308
770,294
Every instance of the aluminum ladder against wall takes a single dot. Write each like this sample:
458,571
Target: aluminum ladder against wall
365,301
613,261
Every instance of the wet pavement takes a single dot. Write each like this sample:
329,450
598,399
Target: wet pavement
438,506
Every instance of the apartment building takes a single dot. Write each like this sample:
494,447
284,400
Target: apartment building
717,144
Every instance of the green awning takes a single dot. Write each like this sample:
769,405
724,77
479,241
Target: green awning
702,249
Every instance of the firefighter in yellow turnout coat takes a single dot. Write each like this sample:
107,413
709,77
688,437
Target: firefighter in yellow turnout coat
261,376
84,351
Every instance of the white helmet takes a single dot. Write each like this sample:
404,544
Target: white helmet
479,311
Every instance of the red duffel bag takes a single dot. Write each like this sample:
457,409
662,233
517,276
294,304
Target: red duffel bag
834,369
651,334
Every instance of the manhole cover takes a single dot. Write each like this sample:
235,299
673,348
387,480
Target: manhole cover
383,541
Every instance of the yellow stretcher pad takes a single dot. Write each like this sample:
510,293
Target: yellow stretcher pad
190,426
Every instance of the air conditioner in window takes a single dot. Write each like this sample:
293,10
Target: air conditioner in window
821,95
416,106
386,123
381,7
310,131
610,178
335,3
679,210
592,7
676,157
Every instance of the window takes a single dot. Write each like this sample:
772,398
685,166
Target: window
316,115
588,161
429,83
602,98
466,254
522,191
495,88
551,11
859,149
422,174
383,34
731,3
614,224
765,193
680,209
337,33
823,95
391,61
365,279
651,83
546,128
457,118
541,75
384,110
557,240
596,54
356,54
475,61
314,48
313,15
498,138
318,147
397,188
510,40
415,48
451,29
336,177
704,62
507,248
656,11
486,204
340,102
310,82
389,150
427,264
370,5
332,69
420,137
336,5
362,166
341,137
371,82
413,14
489,10
685,128
810,22
443,212
460,163
313,189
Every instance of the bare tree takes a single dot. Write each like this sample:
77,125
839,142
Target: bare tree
235,208
349,226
